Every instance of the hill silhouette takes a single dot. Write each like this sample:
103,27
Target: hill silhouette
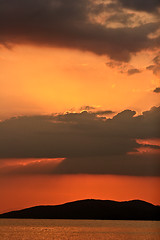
91,209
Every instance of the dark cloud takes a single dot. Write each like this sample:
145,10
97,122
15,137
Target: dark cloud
114,13
133,71
156,60
155,67
87,108
114,64
141,5
134,165
156,90
123,67
124,115
121,18
123,165
151,146
62,23
84,116
101,112
89,143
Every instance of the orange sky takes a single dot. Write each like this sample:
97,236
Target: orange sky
46,80
43,81
98,61
20,192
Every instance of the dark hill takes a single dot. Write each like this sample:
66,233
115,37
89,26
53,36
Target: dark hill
91,209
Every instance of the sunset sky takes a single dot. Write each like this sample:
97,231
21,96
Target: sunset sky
79,101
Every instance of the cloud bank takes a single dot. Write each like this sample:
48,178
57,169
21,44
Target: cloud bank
73,24
89,143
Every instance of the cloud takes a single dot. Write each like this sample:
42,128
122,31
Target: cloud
141,5
101,112
133,71
156,90
39,166
84,116
87,108
155,67
126,114
121,17
68,24
133,165
122,67
94,111
89,144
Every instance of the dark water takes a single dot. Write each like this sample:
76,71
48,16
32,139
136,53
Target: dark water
17,229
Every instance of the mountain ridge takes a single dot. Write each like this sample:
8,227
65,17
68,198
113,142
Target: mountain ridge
91,209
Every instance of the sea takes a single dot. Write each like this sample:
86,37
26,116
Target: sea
42,229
